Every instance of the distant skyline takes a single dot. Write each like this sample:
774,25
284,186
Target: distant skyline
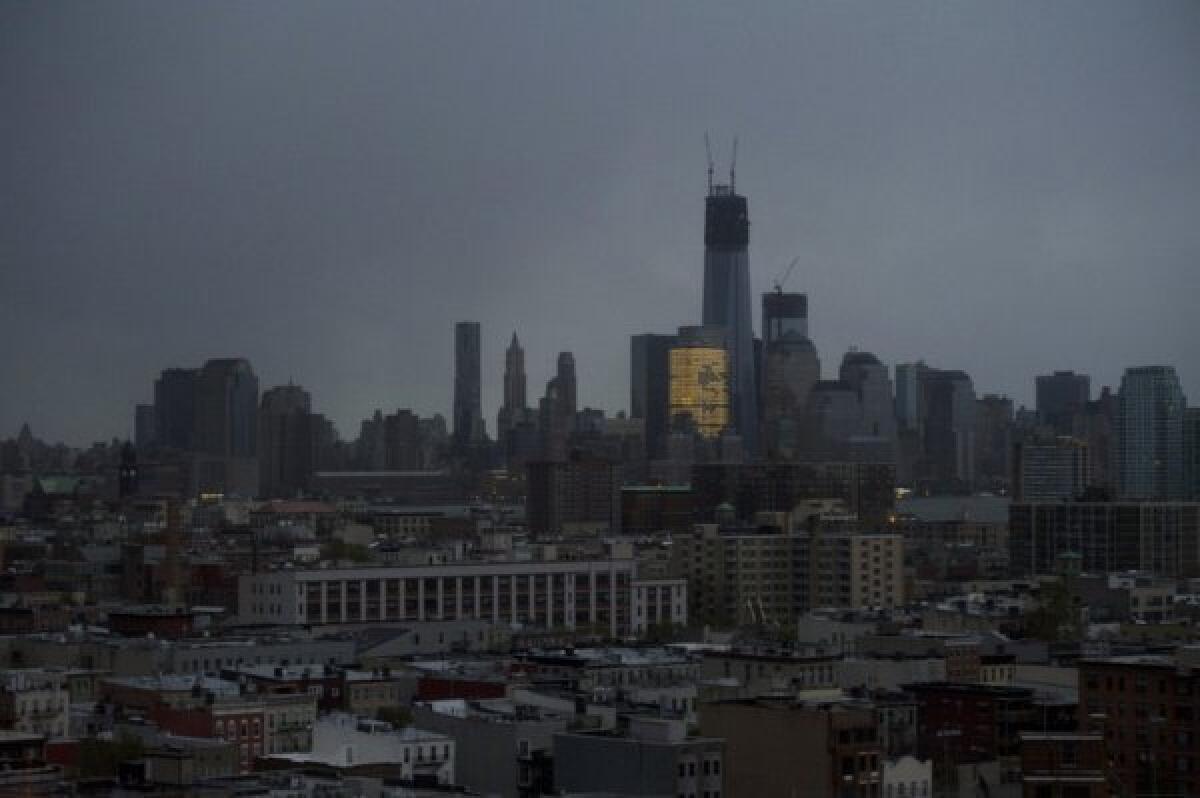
325,189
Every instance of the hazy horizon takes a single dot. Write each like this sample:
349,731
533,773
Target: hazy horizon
325,189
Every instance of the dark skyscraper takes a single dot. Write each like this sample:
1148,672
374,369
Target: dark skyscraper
175,408
225,440
727,298
1062,396
649,387
285,441
790,370
143,427
568,390
226,409
468,407
514,376
512,412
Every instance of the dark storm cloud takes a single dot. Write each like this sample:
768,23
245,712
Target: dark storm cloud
326,187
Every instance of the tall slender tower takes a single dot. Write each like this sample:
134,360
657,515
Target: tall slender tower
468,406
727,300
515,402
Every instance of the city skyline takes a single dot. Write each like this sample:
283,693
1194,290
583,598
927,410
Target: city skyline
1009,220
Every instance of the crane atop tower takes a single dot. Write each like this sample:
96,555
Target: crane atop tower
779,283
708,153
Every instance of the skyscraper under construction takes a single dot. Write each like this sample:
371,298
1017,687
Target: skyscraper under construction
727,298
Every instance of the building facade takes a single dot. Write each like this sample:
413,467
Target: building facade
1149,435
570,595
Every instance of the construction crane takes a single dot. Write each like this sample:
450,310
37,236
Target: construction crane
708,153
779,283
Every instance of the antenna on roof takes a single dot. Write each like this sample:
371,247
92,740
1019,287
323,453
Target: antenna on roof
708,153
733,169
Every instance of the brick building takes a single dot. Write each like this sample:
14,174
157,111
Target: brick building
1148,710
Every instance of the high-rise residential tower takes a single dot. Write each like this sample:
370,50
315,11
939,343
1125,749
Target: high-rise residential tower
790,370
468,406
1149,433
727,301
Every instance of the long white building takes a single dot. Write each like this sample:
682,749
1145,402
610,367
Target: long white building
590,595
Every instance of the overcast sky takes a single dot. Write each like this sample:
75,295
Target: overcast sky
325,188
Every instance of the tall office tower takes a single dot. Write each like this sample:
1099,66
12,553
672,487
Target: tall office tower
143,427
699,380
515,403
226,431
285,441
947,401
993,442
226,408
863,372
727,299
175,408
567,388
832,417
1150,410
370,448
1099,430
556,410
1051,469
402,441
468,407
908,395
1061,397
650,388
790,369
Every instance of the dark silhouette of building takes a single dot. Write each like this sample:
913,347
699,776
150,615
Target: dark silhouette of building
556,410
649,388
226,409
1061,397
512,412
402,441
287,441
175,408
144,423
868,489
127,473
727,298
947,400
580,490
1161,537
226,430
993,442
468,407
790,369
